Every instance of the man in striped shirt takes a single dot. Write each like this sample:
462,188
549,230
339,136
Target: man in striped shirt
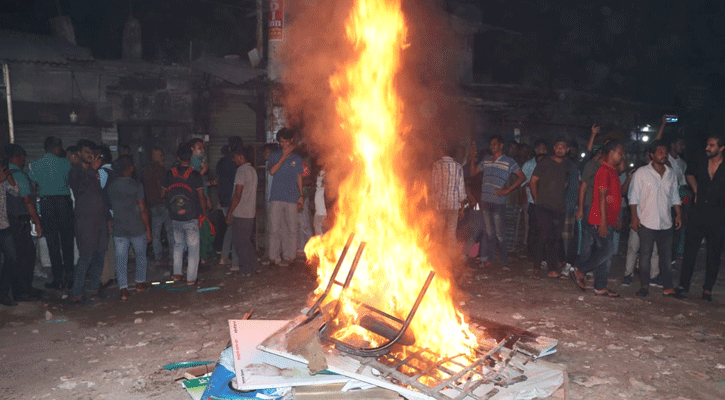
496,168
449,192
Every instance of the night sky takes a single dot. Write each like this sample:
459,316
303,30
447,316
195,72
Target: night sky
640,50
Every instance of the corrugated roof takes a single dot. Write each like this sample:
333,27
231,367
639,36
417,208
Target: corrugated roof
25,47
231,70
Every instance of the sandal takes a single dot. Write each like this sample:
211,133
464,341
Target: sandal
606,292
178,278
191,283
578,280
554,274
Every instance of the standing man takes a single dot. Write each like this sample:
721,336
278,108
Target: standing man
568,237
225,173
496,169
602,218
130,224
285,199
652,194
185,199
243,210
21,212
540,151
200,163
449,193
586,198
50,173
153,175
548,188
707,217
7,244
91,219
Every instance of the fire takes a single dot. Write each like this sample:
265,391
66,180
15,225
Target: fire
376,203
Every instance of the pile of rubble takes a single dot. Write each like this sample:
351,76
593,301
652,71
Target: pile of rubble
272,359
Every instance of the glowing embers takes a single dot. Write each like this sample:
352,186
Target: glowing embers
458,377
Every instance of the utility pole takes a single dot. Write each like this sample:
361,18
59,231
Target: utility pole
260,28
276,27
9,98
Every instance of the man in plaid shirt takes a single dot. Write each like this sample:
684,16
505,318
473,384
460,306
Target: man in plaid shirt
449,192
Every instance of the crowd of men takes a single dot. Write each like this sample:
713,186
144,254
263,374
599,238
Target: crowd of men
562,209
92,211
575,205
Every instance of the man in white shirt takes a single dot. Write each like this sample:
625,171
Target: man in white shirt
652,194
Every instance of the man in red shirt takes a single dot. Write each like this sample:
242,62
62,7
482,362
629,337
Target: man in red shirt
605,208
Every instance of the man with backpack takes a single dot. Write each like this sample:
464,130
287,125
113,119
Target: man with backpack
186,202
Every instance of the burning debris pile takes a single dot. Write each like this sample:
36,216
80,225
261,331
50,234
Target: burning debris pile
277,359
384,317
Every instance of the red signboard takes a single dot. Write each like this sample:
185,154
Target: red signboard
276,20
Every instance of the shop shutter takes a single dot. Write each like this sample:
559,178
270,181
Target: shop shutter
230,116
32,136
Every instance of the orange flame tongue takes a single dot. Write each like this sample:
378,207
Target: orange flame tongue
374,201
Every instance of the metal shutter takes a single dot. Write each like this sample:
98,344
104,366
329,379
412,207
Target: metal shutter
32,136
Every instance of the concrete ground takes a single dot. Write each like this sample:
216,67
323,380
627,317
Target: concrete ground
629,347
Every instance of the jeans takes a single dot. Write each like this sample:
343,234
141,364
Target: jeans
647,239
633,256
493,223
139,247
243,229
283,236
159,219
227,245
598,259
56,218
186,235
7,248
707,225
549,226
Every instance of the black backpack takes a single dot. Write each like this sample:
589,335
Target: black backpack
180,197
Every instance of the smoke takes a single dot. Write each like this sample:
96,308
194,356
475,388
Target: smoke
316,47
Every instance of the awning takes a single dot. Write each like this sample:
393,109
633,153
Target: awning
235,71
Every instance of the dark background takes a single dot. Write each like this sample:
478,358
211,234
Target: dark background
640,50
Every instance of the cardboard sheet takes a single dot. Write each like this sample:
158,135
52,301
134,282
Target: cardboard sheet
255,369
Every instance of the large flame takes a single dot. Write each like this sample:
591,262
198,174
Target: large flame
376,203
